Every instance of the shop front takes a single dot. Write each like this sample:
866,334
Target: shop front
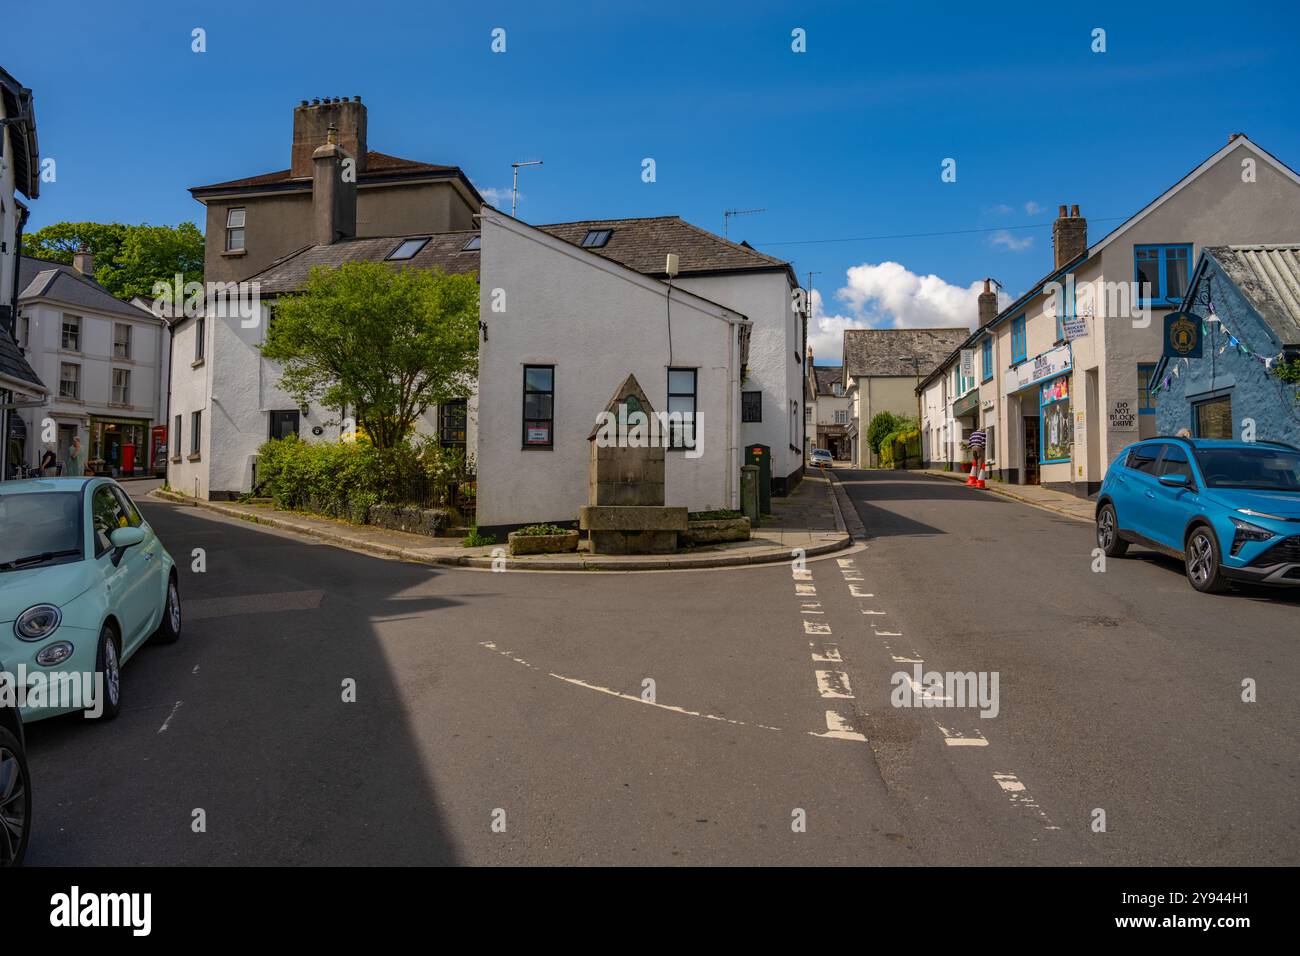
119,447
965,417
1038,392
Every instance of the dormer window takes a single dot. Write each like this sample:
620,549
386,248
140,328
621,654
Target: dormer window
595,238
408,248
473,244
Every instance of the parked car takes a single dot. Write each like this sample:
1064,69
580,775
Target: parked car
15,783
820,458
84,582
1229,510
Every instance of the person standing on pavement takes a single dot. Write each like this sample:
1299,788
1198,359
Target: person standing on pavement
76,458
46,467
976,443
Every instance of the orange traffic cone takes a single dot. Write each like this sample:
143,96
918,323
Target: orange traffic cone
970,477
984,473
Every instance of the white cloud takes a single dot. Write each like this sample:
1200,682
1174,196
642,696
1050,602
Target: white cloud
500,198
888,295
1008,241
1033,208
1001,209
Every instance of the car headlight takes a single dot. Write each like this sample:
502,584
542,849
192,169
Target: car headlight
1259,514
56,653
1247,532
37,622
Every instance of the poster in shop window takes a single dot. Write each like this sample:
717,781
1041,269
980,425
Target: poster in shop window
1057,424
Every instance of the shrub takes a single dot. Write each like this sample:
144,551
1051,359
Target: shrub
538,530
882,425
719,515
476,540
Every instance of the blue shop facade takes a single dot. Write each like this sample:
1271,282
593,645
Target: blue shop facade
1248,301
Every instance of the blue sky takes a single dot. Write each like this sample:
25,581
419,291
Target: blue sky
843,141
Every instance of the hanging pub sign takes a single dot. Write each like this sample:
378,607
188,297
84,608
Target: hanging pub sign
1182,335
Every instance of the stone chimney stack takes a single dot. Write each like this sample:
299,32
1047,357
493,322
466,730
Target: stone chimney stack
333,200
83,260
1069,235
311,125
988,304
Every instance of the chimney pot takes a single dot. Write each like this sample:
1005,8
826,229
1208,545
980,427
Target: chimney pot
83,260
1069,237
1061,212
311,130
987,304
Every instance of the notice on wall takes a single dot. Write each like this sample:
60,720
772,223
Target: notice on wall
1123,416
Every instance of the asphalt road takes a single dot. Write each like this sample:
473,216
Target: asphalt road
504,717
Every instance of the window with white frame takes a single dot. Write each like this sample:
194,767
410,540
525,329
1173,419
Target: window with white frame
122,386
199,334
235,230
841,416
121,340
69,380
70,337
176,438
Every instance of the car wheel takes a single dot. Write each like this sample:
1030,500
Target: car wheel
15,800
1201,556
169,629
108,674
1108,539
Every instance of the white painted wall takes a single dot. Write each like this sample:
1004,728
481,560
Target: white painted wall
595,321
775,364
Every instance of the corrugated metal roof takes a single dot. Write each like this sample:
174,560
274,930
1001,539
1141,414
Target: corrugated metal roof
1269,278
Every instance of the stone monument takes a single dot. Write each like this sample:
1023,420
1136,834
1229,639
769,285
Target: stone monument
625,511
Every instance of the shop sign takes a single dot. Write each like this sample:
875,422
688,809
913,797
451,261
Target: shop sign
1075,327
1048,365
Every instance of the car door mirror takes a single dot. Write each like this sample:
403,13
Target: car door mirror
1174,481
123,538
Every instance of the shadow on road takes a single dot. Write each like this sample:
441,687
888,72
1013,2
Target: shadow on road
243,723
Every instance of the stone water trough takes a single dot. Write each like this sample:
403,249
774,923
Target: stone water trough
625,511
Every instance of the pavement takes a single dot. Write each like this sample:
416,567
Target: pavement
809,520
1061,502
330,707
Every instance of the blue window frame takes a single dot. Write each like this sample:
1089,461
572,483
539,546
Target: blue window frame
1065,307
1018,341
986,359
1146,401
1165,269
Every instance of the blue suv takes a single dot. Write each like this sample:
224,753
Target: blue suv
1229,509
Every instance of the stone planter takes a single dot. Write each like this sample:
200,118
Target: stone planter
429,521
543,543
715,531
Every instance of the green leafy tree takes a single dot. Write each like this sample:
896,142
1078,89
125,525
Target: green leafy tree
881,425
128,259
386,343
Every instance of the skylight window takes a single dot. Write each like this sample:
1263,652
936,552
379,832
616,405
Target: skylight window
595,238
473,244
408,248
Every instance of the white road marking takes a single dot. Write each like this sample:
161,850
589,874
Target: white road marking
805,590
196,669
877,613
168,721
855,591
813,627
808,608
844,562
830,654
651,703
887,633
955,738
804,575
834,684
923,692
1019,796
838,728
906,660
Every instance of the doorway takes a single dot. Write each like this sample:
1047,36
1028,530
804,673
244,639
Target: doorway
284,424
1031,450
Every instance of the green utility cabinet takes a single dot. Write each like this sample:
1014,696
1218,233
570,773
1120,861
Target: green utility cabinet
761,456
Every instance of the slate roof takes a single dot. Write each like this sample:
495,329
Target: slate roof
443,251
827,376
26,156
379,167
889,352
13,364
1269,278
41,278
643,245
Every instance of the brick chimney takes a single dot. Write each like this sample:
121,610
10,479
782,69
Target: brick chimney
312,122
333,201
1069,235
83,260
988,304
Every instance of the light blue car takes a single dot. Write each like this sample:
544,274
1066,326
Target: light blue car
84,582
